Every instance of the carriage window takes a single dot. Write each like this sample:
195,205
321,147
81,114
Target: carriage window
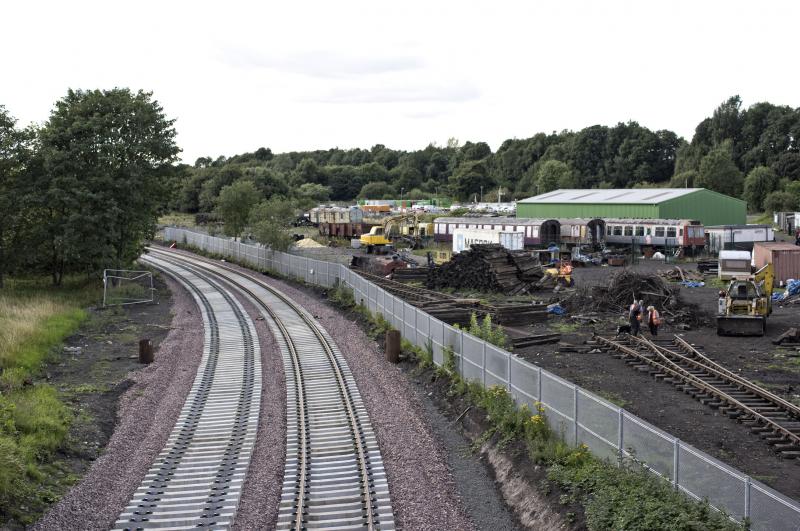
649,231
680,232
628,230
671,232
659,232
640,231
617,230
608,230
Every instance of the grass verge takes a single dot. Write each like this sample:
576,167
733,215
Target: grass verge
34,422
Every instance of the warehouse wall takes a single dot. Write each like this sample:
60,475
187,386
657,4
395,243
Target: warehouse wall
711,208
592,210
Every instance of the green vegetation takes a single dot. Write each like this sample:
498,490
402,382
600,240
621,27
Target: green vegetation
82,192
33,421
487,331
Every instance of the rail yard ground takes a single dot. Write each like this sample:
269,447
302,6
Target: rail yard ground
754,358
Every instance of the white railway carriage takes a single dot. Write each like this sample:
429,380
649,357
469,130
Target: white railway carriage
536,231
656,232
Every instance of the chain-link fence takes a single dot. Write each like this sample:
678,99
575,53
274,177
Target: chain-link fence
582,417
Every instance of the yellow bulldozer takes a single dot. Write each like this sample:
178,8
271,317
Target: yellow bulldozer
745,305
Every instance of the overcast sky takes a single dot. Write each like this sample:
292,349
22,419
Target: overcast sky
301,75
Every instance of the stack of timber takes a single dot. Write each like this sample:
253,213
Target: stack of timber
511,314
708,266
415,274
678,274
541,339
488,267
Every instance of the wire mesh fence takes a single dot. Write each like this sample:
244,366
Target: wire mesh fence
122,287
582,417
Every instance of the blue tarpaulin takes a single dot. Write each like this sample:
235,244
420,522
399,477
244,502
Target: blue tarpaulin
556,309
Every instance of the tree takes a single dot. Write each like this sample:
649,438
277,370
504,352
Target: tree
234,205
14,152
551,175
719,173
757,185
375,190
684,179
470,178
309,172
103,156
781,202
788,165
270,222
263,154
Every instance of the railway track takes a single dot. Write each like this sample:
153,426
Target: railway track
196,480
774,419
334,475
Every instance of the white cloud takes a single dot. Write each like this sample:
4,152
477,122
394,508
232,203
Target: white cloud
310,75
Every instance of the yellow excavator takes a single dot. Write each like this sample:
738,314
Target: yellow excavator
745,305
377,239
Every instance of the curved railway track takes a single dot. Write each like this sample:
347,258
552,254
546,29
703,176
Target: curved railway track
776,420
334,475
196,480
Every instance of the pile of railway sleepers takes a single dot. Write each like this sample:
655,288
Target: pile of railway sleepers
708,266
512,314
488,267
413,274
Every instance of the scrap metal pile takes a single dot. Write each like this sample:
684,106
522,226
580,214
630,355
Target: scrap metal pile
489,267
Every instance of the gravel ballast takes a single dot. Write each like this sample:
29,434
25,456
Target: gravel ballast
147,412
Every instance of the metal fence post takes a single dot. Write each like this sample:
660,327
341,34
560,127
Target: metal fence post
508,371
461,353
620,442
483,364
676,462
747,496
539,385
575,411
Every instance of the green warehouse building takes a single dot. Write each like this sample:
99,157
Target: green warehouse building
710,208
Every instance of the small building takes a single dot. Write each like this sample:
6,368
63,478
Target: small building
787,221
710,208
784,257
737,237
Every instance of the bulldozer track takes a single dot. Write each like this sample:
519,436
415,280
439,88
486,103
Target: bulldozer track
774,419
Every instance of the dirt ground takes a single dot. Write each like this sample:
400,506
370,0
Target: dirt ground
660,403
90,374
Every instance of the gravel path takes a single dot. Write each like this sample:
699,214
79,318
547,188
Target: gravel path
146,415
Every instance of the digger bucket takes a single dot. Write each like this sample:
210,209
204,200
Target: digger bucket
741,325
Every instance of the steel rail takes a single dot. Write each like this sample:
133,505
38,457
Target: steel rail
356,428
196,480
748,385
673,369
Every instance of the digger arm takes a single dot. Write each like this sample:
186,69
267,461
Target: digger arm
765,277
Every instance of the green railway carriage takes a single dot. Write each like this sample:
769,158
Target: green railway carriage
710,208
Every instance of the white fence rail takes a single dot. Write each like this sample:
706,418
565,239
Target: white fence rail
609,431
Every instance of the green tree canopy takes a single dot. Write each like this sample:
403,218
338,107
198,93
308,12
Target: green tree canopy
552,175
270,222
757,185
103,156
375,190
719,173
234,205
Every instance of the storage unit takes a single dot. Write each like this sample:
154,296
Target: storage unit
710,208
463,238
786,221
785,259
734,264
738,237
